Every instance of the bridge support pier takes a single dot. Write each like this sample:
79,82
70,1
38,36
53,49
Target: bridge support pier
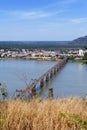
34,91
47,78
57,68
55,71
51,74
61,64
41,83
50,94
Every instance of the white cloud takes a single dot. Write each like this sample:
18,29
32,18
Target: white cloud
79,20
28,14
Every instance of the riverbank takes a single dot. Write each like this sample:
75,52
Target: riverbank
82,61
34,58
37,114
79,61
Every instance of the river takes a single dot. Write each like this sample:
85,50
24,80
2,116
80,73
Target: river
68,82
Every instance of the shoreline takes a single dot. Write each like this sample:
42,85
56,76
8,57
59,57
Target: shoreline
79,61
30,58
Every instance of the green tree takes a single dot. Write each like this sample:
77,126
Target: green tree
3,91
85,47
85,56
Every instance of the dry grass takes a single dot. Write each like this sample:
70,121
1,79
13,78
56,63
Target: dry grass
63,114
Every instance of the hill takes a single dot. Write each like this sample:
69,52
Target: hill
81,41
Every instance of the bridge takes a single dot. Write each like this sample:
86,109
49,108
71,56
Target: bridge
31,89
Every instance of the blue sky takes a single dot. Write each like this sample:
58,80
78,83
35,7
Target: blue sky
42,20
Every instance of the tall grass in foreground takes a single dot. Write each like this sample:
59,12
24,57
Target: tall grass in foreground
62,114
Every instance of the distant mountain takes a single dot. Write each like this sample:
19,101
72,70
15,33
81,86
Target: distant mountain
81,41
48,45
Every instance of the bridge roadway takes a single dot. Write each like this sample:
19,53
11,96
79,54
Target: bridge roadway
31,89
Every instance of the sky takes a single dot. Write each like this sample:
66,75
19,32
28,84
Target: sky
42,20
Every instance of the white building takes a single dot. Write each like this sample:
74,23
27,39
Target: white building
81,53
